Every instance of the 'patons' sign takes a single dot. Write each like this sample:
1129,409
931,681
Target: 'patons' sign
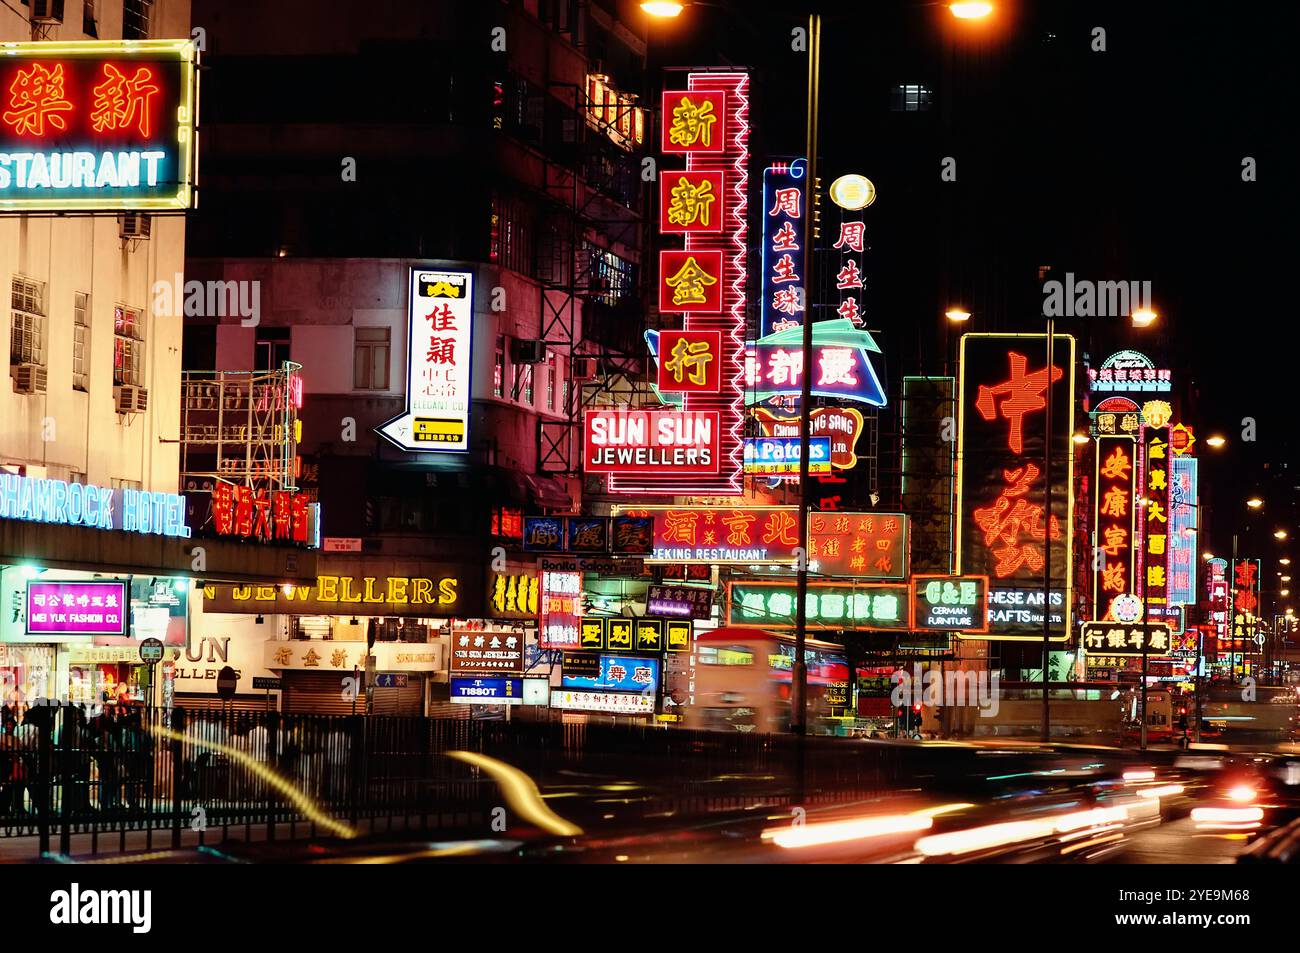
99,507
97,125
434,594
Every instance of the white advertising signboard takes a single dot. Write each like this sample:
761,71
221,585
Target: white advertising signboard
438,359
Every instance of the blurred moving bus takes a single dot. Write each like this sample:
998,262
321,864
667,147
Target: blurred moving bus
1227,717
743,677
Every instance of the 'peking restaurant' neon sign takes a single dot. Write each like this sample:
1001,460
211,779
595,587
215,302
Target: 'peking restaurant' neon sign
1113,518
1003,529
97,125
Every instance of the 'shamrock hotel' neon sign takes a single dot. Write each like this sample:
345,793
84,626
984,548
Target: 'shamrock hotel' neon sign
99,507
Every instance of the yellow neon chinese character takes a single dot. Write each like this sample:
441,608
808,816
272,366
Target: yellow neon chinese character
690,358
689,283
692,123
692,202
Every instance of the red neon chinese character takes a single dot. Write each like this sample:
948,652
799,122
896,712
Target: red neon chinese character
779,528
34,96
120,101
1023,394
849,309
849,276
787,300
785,270
787,201
681,527
1006,523
851,235
737,524
785,238
223,508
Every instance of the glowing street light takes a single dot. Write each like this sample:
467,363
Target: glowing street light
1207,555
1284,561
1080,438
1143,317
1280,534
1254,502
957,314
970,9
662,8
1216,441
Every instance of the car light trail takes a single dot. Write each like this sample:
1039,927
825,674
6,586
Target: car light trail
520,793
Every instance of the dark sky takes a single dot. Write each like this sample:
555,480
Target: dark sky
1117,165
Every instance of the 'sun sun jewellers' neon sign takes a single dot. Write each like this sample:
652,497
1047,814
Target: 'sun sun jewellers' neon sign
97,125
99,507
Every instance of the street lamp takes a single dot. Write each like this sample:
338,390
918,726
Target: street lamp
1143,317
1279,534
1254,502
970,9
1080,438
957,314
662,8
1216,441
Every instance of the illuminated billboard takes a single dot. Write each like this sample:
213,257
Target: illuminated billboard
1155,516
784,198
1113,517
1004,530
98,125
440,334
1183,531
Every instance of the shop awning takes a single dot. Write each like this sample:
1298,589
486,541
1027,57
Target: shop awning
548,492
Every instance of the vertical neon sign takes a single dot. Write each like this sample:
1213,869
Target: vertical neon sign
1113,520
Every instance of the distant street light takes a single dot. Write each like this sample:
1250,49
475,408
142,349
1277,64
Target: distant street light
1280,534
1284,561
1207,556
970,9
1216,441
1080,438
1254,502
957,314
662,8
1143,317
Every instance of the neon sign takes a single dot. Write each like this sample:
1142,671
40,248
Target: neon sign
692,361
843,425
1128,372
438,357
691,201
97,125
779,456
1113,519
774,365
831,605
709,123
1155,516
950,603
1004,530
559,609
1183,531
257,514
82,504
646,441
724,534
784,197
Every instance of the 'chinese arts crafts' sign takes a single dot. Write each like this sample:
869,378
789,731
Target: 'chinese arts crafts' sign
1004,530
1114,519
97,125
76,608
831,605
438,357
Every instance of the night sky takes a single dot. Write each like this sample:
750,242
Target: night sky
1117,165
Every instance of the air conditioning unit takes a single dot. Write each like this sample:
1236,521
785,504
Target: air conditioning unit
47,11
130,399
28,378
585,368
529,352
133,225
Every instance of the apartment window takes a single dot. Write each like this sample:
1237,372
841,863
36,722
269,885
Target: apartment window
612,278
910,98
271,349
121,483
499,368
27,322
370,358
136,15
512,230
81,341
523,386
88,25
550,380
128,346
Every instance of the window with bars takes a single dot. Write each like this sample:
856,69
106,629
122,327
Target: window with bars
550,380
27,321
370,358
81,341
136,16
523,387
499,368
512,230
612,278
911,98
128,346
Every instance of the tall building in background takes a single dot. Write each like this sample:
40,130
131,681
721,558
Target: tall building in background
446,237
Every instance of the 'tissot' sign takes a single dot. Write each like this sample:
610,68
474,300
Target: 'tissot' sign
97,125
